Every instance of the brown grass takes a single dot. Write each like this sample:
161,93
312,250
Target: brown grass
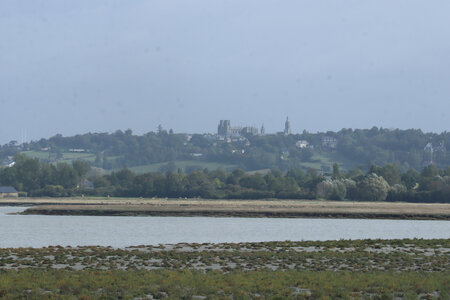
267,208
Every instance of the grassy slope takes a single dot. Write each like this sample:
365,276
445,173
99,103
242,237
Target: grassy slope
327,159
68,157
319,160
182,164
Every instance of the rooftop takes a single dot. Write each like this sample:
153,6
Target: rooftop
7,189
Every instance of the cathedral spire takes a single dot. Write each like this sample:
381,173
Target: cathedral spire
287,127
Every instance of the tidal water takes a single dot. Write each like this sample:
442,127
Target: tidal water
40,231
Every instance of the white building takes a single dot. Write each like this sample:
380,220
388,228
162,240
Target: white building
302,144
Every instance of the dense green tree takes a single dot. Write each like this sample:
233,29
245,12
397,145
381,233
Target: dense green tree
81,168
176,184
372,188
336,172
411,178
390,173
430,171
331,190
256,182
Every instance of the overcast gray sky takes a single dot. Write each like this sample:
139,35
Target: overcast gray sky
78,66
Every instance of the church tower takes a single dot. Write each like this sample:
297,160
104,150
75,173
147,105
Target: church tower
263,130
287,127
224,128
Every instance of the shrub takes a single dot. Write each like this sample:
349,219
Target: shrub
372,188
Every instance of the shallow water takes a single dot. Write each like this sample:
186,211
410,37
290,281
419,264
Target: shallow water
40,231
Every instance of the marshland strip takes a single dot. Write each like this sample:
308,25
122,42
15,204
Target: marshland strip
359,269
231,208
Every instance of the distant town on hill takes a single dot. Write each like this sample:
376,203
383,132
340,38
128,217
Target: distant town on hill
248,148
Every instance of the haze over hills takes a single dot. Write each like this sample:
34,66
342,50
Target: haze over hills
77,66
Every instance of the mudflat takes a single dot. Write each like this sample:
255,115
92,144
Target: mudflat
343,255
343,269
238,208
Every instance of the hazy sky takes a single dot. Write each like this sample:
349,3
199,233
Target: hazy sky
76,66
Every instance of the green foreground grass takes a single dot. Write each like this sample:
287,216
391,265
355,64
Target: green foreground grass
188,284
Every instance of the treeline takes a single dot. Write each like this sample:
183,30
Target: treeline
120,149
35,178
384,183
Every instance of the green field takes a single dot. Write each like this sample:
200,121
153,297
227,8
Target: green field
67,157
183,165
317,161
320,160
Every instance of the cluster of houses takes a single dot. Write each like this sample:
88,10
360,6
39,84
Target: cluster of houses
328,142
429,150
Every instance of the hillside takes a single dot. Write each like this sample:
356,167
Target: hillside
165,151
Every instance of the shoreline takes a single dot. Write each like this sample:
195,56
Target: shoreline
126,210
231,208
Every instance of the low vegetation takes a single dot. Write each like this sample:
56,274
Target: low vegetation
360,269
191,284
232,208
344,255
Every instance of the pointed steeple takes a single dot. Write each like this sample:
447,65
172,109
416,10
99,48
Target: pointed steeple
287,127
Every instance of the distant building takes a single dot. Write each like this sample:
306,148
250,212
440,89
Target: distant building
428,148
249,130
78,150
440,148
225,129
285,154
8,162
263,130
8,192
302,144
428,155
287,127
329,142
242,151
